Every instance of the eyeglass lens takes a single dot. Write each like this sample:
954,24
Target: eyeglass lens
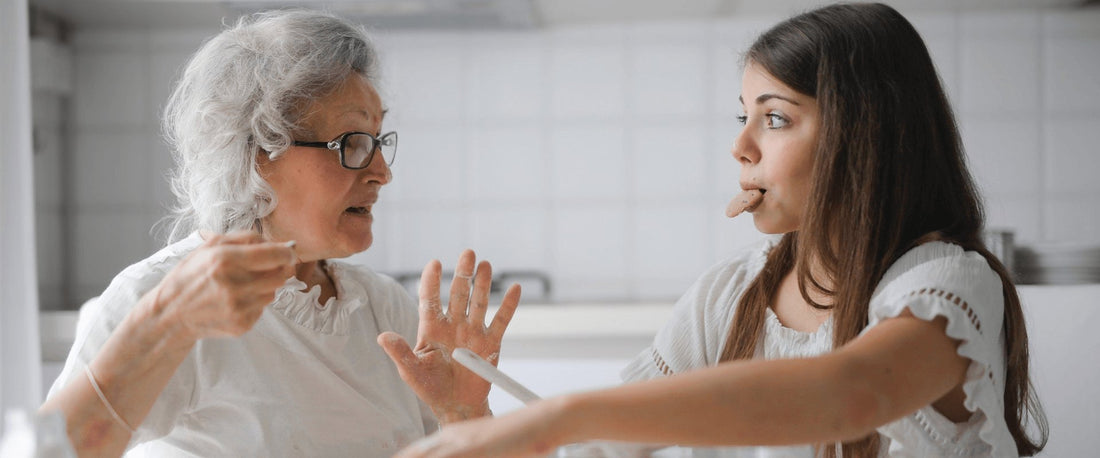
358,149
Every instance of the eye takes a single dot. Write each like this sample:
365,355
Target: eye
742,119
776,121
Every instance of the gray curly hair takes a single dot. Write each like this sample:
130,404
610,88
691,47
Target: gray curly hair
245,91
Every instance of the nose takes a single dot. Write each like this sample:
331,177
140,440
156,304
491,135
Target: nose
745,150
377,171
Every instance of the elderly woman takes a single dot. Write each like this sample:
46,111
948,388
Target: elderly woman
243,338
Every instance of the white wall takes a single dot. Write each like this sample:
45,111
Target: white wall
596,153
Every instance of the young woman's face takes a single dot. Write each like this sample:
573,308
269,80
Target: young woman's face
325,207
775,149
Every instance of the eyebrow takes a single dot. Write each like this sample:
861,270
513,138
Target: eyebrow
367,115
768,96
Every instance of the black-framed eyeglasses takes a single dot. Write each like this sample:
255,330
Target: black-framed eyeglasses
357,148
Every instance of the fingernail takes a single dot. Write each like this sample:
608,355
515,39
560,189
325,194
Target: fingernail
291,244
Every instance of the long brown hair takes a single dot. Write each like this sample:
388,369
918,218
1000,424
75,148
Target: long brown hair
889,170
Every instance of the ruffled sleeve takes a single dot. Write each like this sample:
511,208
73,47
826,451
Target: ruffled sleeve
694,336
939,279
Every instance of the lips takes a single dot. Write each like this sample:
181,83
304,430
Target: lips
361,207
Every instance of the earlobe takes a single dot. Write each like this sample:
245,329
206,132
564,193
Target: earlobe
264,156
263,162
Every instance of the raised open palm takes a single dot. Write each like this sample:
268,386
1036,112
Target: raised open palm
452,391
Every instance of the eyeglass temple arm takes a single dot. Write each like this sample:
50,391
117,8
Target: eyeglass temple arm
312,144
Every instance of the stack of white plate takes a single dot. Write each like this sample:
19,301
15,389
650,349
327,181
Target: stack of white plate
1001,242
1057,263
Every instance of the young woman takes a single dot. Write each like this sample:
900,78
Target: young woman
874,323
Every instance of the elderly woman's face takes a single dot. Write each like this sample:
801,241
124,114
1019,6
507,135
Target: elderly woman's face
323,206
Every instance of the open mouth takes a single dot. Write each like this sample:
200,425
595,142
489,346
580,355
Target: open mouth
756,202
745,201
358,210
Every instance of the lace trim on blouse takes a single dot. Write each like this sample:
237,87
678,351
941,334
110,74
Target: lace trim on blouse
951,297
659,362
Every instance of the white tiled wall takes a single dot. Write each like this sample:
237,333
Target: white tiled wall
596,153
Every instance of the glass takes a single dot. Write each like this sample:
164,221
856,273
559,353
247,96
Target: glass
357,148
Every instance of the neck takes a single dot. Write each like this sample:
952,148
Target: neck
818,274
313,273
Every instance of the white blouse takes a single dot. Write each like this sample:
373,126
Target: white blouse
934,279
306,380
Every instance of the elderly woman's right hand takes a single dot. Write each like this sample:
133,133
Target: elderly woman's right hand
453,392
222,287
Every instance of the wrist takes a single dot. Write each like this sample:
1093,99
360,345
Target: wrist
567,418
455,414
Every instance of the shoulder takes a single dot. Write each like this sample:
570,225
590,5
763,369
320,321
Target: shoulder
695,333
138,278
164,259
736,271
741,265
939,278
940,265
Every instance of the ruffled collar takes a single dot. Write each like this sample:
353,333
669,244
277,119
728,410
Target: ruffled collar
303,306
784,342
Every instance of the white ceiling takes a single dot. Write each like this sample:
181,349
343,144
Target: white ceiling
470,13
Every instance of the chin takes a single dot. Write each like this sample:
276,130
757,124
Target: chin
342,247
359,245
772,227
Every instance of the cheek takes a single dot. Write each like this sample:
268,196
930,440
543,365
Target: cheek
796,166
305,197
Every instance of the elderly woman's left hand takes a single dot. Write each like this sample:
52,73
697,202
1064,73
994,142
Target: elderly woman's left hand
453,392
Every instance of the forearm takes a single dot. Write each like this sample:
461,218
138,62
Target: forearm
753,402
131,369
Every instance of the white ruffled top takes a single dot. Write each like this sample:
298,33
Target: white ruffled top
307,380
934,279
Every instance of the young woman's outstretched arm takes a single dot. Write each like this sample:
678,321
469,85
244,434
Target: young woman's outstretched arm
894,369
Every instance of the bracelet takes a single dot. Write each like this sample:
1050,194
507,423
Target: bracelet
106,403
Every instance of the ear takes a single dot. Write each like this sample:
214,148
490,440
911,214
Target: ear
264,161
263,157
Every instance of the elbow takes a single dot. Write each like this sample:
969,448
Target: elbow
861,414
